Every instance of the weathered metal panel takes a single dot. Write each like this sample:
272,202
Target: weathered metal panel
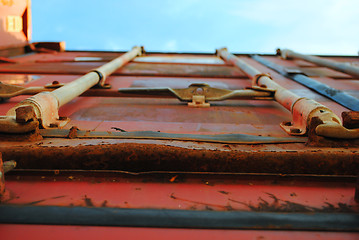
150,152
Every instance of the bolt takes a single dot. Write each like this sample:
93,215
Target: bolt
199,91
25,114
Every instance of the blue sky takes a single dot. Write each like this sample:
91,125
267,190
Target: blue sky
307,26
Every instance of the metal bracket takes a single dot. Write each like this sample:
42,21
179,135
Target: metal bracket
198,93
42,106
198,101
101,83
8,90
302,113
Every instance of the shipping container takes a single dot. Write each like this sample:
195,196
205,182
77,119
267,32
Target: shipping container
220,145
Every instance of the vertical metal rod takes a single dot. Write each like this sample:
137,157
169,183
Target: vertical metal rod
338,96
302,109
285,97
45,105
76,88
339,66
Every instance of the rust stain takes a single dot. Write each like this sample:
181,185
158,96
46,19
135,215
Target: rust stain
73,132
46,199
104,204
224,192
279,205
88,201
208,206
136,157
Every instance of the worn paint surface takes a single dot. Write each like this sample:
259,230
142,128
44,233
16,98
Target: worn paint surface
173,183
182,191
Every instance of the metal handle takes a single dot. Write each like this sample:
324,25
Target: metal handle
302,109
45,105
74,89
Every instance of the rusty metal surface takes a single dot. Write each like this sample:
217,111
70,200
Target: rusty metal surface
157,153
258,118
161,155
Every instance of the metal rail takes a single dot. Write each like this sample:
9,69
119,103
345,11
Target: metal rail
341,67
44,106
216,138
303,109
336,95
170,218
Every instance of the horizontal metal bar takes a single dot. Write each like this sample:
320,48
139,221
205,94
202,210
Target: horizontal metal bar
219,138
165,218
336,95
16,172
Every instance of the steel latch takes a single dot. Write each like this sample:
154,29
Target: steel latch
198,101
8,90
198,94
